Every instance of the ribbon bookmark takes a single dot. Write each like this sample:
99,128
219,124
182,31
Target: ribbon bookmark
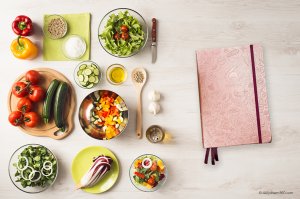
214,155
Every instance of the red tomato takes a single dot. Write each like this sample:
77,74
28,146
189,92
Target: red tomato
36,93
125,35
151,181
31,119
15,118
32,76
154,166
20,89
124,28
24,105
117,36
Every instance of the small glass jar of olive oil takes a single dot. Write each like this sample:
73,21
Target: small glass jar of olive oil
116,74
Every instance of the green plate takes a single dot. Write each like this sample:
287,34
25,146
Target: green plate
83,161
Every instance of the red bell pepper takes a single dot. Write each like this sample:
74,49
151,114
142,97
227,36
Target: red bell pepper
140,175
22,25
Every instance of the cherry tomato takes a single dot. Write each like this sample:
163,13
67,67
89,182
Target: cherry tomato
125,35
20,89
31,119
151,181
154,166
124,28
24,105
117,36
32,76
15,118
36,93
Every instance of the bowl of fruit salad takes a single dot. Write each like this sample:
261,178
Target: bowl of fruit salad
148,173
123,32
103,115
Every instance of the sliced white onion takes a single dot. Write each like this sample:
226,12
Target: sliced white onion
47,166
46,175
25,167
32,174
32,171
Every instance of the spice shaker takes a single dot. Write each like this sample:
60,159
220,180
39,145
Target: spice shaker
155,134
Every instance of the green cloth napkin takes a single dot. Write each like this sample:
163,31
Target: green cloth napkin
78,24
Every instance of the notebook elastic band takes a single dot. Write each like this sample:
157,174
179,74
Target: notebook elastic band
255,94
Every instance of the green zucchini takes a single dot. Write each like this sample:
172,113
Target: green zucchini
46,114
59,105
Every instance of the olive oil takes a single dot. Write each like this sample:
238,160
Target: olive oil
116,74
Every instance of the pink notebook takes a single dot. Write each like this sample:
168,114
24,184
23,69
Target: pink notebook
233,97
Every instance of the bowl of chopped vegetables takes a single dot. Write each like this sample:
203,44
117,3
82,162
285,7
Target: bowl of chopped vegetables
87,74
148,173
103,115
123,32
33,168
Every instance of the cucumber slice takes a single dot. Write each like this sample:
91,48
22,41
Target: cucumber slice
83,66
90,85
80,78
87,71
96,80
79,72
86,78
83,83
96,71
94,66
92,79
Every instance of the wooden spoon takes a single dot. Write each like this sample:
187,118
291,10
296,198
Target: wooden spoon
139,78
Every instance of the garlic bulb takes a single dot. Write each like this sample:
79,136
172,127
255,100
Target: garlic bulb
154,108
154,96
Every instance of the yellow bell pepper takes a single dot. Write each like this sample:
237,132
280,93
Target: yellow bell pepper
23,48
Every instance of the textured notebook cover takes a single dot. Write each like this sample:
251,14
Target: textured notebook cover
229,110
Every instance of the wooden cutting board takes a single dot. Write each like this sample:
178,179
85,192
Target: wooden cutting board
47,130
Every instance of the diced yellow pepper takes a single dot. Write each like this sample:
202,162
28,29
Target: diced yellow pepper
137,162
160,165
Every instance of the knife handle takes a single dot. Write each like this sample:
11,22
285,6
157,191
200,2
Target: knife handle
153,30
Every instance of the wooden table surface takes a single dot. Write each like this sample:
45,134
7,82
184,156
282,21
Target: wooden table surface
183,27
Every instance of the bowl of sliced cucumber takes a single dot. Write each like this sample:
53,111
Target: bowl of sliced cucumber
87,74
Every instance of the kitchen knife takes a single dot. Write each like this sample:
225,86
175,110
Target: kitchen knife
153,45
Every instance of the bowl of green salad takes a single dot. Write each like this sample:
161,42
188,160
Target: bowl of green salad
33,168
123,32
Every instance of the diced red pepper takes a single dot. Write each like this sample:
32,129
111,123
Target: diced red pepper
104,114
114,111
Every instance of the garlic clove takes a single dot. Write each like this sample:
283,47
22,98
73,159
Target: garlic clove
154,108
154,96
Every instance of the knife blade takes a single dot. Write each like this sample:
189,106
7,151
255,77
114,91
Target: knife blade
153,44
